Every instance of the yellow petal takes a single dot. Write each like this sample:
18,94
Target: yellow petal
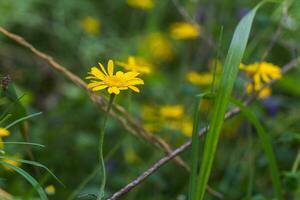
135,82
121,64
100,87
119,73
134,88
131,60
114,90
97,73
103,69
110,67
130,75
94,84
4,132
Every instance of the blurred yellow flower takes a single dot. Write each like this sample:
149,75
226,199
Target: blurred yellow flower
3,133
101,79
141,4
50,190
263,94
11,162
159,46
171,111
130,155
136,64
91,25
201,79
261,72
184,30
187,127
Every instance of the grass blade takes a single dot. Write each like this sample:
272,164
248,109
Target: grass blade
267,147
29,178
22,119
195,149
34,164
25,143
230,71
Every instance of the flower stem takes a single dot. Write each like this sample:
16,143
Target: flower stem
101,139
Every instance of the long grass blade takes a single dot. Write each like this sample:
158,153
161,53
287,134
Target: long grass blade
266,144
22,119
29,178
230,71
34,164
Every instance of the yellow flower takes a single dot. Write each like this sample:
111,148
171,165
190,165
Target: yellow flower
136,64
187,127
264,93
141,4
159,47
261,72
11,162
130,155
50,190
171,111
3,133
91,25
184,30
196,78
102,79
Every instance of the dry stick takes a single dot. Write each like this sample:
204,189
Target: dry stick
136,130
186,145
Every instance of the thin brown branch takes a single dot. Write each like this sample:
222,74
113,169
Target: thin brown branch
186,145
118,112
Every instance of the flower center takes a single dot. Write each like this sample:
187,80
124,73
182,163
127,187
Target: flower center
114,81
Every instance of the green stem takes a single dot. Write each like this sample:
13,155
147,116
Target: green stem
296,163
101,139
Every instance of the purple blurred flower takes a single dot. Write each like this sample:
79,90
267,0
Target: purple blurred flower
242,12
200,15
271,106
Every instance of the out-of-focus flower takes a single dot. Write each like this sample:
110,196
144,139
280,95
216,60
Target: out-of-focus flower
263,94
171,111
202,79
141,4
261,72
168,116
50,190
184,30
271,106
102,79
242,12
201,15
136,64
12,162
130,155
91,25
186,127
3,133
159,47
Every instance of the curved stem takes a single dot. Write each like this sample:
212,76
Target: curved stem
101,139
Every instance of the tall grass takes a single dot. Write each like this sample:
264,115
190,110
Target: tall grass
230,71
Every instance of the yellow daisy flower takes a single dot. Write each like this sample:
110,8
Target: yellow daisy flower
50,190
201,79
261,72
91,25
159,47
263,94
3,133
141,4
102,79
12,162
184,30
136,64
171,111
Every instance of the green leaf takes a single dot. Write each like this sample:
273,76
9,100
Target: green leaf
34,164
230,71
29,178
266,144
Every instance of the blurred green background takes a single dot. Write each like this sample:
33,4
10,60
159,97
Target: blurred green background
78,34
